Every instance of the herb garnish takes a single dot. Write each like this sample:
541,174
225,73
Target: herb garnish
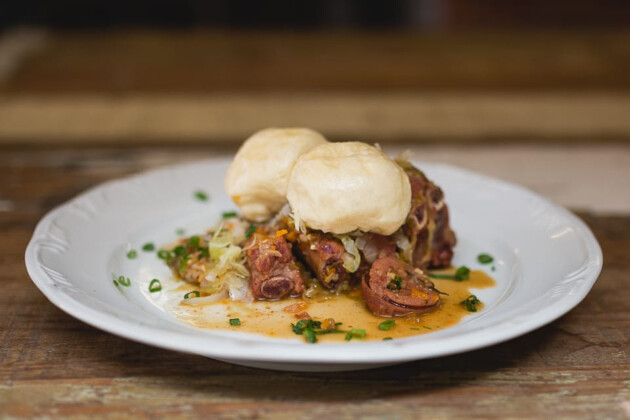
395,284
180,231
462,273
163,254
201,195
355,332
387,325
228,214
470,303
309,328
235,321
132,254
387,338
183,264
250,231
149,246
123,281
194,293
155,286
485,258
193,241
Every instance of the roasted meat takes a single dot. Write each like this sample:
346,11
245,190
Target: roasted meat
427,226
324,254
394,288
275,273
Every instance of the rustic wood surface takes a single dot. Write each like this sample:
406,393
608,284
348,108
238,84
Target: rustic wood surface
52,365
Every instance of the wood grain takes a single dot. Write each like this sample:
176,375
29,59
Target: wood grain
383,117
53,365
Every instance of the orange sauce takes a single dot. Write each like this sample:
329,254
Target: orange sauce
274,318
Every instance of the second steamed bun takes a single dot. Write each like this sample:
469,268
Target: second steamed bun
342,187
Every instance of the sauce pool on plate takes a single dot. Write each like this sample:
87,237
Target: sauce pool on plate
275,318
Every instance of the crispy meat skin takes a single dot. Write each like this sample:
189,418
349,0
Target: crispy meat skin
384,298
275,273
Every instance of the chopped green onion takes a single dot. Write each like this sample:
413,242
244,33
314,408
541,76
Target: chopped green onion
470,303
148,247
306,323
164,254
485,258
228,214
193,293
310,335
395,284
310,329
355,332
414,328
201,195
115,283
193,241
180,231
493,268
155,286
235,321
179,250
462,273
425,327
132,254
183,264
250,231
386,325
387,338
124,281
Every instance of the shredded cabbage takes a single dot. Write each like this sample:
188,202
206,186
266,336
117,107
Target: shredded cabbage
227,273
352,257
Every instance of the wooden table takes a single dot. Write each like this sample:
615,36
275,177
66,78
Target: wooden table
62,132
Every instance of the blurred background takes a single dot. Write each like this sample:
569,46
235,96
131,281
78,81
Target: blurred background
423,71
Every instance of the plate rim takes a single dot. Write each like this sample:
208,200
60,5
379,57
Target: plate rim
400,351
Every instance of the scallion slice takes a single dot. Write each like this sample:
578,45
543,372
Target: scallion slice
470,303
228,214
155,286
164,254
194,293
124,281
387,325
250,231
462,273
355,332
201,195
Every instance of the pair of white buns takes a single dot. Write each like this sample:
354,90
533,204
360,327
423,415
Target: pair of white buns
333,187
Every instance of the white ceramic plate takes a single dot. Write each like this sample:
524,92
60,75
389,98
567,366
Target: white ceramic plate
546,262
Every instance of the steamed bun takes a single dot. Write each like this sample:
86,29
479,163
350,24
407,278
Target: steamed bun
258,176
341,187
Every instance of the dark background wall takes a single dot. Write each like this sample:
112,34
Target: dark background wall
294,14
